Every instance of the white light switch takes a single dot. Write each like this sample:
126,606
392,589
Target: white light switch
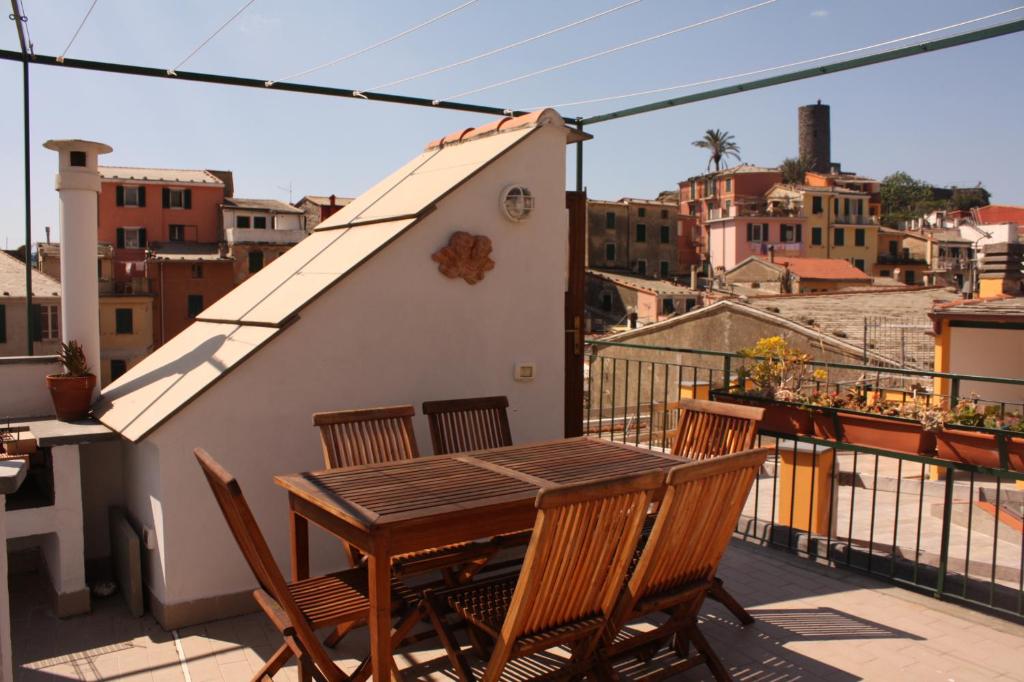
525,371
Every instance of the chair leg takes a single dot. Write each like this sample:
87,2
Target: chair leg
719,594
451,646
336,635
718,669
276,662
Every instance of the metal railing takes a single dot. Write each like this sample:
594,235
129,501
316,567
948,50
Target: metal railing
945,528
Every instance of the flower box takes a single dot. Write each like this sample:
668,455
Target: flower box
980,446
779,417
872,431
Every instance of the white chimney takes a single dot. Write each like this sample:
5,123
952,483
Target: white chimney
78,183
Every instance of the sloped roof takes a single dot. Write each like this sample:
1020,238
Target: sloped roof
12,280
237,325
1001,308
660,287
822,268
173,175
321,200
261,205
993,214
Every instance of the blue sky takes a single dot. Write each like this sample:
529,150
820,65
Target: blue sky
952,117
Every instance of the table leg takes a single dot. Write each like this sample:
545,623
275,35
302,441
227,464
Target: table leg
300,547
381,653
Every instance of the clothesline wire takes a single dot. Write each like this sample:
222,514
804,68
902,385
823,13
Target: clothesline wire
504,48
77,31
802,62
374,46
612,50
213,35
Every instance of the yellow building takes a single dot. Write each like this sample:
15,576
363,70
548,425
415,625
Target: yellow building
838,224
126,333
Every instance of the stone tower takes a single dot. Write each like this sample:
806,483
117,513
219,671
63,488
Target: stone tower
815,137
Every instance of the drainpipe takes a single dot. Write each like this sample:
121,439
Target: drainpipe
78,184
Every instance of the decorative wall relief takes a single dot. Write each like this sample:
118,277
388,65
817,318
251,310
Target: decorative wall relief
466,256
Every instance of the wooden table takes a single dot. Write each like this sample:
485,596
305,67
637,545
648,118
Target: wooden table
418,504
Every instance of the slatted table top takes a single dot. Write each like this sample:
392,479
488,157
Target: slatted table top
377,495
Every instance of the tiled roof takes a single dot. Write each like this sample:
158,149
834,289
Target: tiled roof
945,235
244,319
12,280
995,306
660,287
821,268
812,188
999,213
320,200
171,175
261,205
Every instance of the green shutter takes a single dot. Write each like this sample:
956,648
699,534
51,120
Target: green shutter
120,195
142,196
167,197
36,321
120,237
3,323
188,198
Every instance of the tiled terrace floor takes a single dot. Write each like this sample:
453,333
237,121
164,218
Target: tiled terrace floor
813,623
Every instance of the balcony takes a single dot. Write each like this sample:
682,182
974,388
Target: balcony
854,219
240,235
900,259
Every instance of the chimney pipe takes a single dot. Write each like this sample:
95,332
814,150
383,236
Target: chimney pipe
693,276
333,199
771,254
78,184
47,234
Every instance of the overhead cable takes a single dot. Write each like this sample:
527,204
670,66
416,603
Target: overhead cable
77,30
213,35
612,50
802,62
510,46
380,43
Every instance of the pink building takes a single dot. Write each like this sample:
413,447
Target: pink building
732,239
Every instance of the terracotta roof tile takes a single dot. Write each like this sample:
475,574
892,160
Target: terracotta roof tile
994,214
501,125
822,268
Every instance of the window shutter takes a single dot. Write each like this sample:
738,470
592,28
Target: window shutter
120,195
37,322
142,238
750,232
167,198
799,233
120,237
3,323
142,196
188,198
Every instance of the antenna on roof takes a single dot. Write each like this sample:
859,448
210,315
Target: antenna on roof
289,188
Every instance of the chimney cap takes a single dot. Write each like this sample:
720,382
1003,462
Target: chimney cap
78,146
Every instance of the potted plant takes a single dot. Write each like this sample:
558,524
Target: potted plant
72,390
901,426
979,435
774,381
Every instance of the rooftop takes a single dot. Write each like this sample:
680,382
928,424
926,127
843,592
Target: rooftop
995,307
818,268
12,280
184,251
660,287
272,205
171,175
998,213
320,200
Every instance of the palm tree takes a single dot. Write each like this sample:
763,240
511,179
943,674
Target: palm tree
720,145
794,169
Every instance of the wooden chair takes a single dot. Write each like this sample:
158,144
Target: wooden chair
583,539
706,430
384,434
297,609
710,429
468,424
676,567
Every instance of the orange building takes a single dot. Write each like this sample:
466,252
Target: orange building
164,225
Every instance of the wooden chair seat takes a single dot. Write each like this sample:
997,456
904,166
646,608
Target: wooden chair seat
342,597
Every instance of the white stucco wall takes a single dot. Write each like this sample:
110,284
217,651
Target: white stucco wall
993,353
23,381
394,331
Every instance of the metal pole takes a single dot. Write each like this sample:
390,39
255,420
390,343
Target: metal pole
579,157
19,19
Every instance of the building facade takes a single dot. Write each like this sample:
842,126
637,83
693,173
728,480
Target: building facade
638,236
317,208
257,231
613,299
896,261
15,323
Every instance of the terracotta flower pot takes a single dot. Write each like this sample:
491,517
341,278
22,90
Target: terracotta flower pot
886,433
979,448
779,417
71,396
824,422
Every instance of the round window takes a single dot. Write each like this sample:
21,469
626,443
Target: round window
517,203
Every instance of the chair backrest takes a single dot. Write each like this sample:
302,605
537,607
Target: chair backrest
711,429
468,424
243,527
702,504
583,539
368,436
